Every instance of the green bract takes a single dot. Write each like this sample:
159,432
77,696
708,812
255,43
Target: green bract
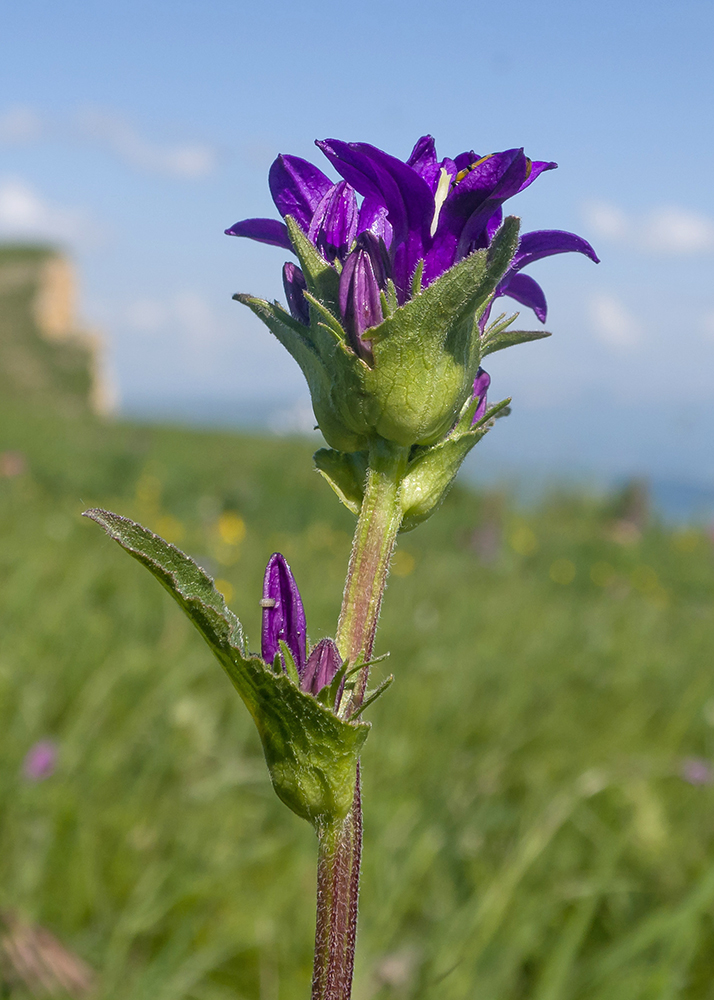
425,353
310,752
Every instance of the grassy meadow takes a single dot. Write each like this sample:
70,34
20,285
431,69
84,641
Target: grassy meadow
539,806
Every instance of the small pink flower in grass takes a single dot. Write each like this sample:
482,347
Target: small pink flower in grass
696,771
40,761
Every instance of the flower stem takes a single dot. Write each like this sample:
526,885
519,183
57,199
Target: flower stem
341,843
372,547
340,847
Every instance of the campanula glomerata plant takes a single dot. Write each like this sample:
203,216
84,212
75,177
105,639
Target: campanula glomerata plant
390,291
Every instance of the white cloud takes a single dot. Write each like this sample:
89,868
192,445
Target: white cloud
20,125
25,213
677,231
187,317
614,324
186,160
99,126
607,220
147,315
667,229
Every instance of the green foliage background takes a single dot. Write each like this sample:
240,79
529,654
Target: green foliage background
528,831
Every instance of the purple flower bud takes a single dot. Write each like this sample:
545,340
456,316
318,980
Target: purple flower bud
334,225
363,276
294,284
322,665
40,761
283,613
481,384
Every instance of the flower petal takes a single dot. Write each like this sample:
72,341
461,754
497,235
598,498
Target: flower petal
494,224
373,219
376,174
481,193
546,242
263,230
283,613
334,224
537,168
471,203
525,290
297,187
405,195
422,159
464,160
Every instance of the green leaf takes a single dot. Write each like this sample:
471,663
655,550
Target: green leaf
346,473
507,338
310,752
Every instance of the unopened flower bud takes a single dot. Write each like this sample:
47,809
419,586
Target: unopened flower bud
481,384
322,664
294,284
283,613
363,277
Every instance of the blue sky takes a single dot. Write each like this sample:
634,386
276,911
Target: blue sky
135,133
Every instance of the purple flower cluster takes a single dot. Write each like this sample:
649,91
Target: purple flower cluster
284,621
423,214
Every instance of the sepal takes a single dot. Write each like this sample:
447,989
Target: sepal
322,279
418,364
346,473
427,353
310,752
502,338
314,349
431,472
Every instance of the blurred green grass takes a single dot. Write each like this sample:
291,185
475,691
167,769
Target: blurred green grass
529,831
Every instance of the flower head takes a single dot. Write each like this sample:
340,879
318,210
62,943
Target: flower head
424,209
399,263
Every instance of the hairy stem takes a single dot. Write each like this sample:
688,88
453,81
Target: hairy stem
340,847
372,547
341,843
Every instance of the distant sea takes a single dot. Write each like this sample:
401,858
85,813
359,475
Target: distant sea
533,451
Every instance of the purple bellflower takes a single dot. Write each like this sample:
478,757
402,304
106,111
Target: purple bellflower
40,761
284,620
423,210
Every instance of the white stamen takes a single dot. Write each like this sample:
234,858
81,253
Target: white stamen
268,602
442,189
